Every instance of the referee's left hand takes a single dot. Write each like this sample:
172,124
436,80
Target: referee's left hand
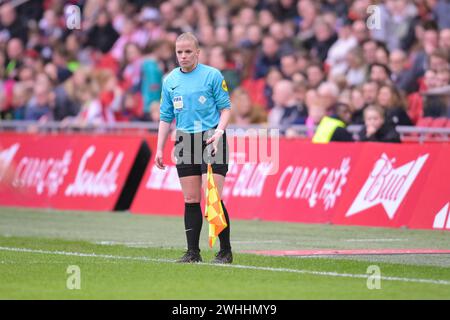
215,141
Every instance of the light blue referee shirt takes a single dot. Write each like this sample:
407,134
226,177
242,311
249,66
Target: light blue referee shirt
194,99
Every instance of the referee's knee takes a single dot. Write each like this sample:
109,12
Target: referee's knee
191,199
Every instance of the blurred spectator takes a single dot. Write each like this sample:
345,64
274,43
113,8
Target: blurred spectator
130,108
11,25
315,75
328,93
284,9
243,112
357,105
132,67
286,108
154,111
391,100
5,112
434,104
49,26
370,92
115,9
151,24
60,65
357,69
269,57
428,42
382,55
218,59
337,54
333,128
130,34
40,106
21,94
440,9
439,60
151,82
68,95
401,76
379,72
443,77
289,65
324,38
360,31
339,7
102,35
222,35
370,47
396,17
92,111
444,39
316,111
281,33
272,78
14,57
307,13
376,128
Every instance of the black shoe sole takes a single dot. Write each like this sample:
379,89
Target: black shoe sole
189,261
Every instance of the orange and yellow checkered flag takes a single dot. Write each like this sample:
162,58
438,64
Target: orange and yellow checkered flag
213,210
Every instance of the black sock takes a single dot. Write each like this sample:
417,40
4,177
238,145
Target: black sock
224,236
193,220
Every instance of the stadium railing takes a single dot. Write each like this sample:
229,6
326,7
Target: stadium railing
408,134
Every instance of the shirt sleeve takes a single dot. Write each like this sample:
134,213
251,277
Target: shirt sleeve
221,96
166,109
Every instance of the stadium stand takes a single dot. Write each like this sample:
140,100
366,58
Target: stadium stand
108,68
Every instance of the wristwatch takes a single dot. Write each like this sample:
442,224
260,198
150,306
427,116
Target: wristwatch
220,130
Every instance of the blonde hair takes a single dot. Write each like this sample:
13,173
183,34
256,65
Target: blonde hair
189,36
374,107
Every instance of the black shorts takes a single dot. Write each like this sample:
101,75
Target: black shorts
192,155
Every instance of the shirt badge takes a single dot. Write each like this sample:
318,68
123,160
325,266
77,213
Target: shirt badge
224,85
202,99
178,102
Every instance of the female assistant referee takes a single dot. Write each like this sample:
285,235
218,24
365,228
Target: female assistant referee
196,96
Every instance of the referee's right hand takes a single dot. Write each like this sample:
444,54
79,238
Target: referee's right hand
159,160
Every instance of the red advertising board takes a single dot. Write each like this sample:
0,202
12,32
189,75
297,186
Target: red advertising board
85,172
298,183
432,210
389,182
370,184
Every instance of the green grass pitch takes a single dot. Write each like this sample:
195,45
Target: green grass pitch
124,256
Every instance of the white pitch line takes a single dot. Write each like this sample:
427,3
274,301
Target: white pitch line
375,240
236,266
255,242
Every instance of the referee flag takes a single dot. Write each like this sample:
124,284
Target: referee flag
213,211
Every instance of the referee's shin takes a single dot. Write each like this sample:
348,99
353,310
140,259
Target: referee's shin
224,236
193,220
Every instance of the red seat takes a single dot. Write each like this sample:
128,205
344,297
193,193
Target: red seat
439,122
255,89
423,123
415,107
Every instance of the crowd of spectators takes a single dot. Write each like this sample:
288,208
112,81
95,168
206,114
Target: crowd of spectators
286,62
